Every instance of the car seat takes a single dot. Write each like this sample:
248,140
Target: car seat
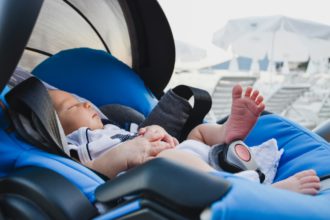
303,150
25,194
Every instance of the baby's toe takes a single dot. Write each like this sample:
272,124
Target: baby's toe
313,185
309,179
237,91
254,95
259,99
248,91
309,191
261,107
304,173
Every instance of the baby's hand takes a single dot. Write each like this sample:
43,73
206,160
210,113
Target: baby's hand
157,133
140,150
127,155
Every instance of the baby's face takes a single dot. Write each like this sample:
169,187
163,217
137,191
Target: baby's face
74,114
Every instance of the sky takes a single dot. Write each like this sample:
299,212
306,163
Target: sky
195,21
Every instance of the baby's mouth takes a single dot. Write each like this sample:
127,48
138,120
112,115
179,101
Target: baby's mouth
94,115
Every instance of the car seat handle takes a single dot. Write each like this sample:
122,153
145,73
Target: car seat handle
167,182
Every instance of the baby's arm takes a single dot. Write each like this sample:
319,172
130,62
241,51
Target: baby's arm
127,155
110,163
139,150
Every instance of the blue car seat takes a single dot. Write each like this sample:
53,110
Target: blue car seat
243,199
46,191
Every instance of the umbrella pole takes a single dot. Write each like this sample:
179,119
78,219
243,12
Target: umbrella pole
271,61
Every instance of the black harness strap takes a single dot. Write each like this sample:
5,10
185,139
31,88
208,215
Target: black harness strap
202,105
34,117
325,183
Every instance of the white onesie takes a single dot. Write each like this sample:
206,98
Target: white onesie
90,144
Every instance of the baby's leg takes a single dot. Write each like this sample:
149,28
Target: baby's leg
245,111
306,182
186,159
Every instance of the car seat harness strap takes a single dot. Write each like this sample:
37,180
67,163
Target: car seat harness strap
34,117
325,183
175,114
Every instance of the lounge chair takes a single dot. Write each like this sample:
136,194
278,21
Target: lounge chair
221,95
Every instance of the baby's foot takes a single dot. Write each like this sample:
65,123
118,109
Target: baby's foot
245,111
305,182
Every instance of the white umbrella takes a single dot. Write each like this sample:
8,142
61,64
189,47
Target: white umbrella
189,56
186,52
280,38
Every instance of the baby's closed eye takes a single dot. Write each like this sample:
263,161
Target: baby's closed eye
72,107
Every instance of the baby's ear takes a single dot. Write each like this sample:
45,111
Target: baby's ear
51,92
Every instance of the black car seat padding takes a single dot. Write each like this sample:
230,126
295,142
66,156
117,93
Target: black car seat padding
39,193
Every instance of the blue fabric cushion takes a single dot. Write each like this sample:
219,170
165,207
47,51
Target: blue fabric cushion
17,154
89,73
254,201
302,150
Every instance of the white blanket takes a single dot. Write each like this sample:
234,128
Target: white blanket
267,157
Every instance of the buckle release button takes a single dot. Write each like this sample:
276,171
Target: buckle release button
242,152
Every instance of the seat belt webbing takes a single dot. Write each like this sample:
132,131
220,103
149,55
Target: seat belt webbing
30,100
202,105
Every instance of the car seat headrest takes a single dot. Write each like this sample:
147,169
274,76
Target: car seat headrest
97,76
122,116
34,117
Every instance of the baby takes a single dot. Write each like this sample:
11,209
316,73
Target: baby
111,150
